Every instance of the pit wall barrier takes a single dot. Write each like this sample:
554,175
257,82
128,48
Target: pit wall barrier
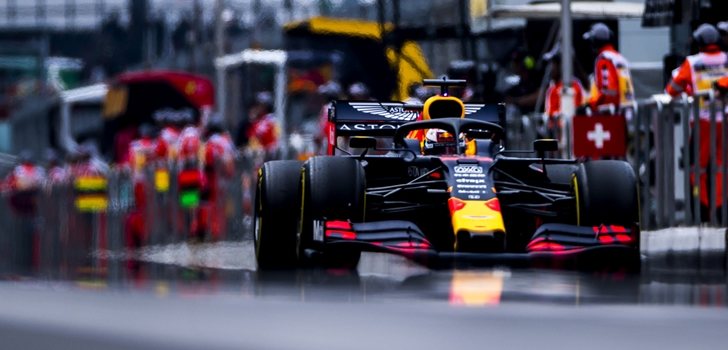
666,151
53,234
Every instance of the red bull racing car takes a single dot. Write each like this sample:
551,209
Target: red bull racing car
389,185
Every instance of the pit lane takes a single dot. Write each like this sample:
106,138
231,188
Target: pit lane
210,295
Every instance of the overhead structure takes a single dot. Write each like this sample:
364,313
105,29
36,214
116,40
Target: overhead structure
276,58
601,10
87,94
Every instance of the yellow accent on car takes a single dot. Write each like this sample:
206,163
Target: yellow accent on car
576,196
476,217
434,100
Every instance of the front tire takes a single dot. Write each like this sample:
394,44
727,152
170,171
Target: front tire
276,214
332,188
606,192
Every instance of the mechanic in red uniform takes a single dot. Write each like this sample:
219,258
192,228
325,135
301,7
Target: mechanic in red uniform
142,157
264,130
552,102
219,168
24,183
330,91
697,75
611,90
170,123
58,173
90,203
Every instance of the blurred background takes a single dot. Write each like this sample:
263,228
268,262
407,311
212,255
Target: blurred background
81,79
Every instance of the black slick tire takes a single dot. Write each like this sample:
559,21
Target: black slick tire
332,188
276,214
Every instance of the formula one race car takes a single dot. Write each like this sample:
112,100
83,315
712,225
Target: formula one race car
434,183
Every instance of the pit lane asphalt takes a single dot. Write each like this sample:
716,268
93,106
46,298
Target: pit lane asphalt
210,297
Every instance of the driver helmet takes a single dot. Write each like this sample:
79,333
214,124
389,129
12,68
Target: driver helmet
438,141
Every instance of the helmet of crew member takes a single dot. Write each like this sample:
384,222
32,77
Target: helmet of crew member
599,35
705,35
146,131
358,91
25,157
186,117
51,156
215,125
330,90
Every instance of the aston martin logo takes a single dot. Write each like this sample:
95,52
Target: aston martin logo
388,110
472,108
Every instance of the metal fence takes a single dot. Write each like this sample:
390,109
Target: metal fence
668,152
671,156
46,233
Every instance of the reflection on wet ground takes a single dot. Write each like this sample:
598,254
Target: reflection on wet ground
229,268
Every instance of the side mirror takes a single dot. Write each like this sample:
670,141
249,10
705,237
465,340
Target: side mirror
542,146
365,142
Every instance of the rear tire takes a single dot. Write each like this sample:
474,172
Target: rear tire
606,192
277,204
333,188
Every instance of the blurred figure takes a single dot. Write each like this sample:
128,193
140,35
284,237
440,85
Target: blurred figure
219,151
90,201
171,126
90,180
264,131
58,173
611,91
524,92
330,92
189,142
552,102
219,169
417,94
143,151
358,92
697,75
466,70
24,183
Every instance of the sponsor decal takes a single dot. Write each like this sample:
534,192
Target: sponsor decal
482,187
387,110
350,127
318,230
413,171
457,175
470,181
468,169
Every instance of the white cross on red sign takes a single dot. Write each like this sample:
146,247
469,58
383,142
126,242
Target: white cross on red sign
598,135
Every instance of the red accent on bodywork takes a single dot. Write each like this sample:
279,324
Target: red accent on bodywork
543,245
618,229
623,238
411,245
338,225
612,234
493,204
455,204
341,234
606,239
